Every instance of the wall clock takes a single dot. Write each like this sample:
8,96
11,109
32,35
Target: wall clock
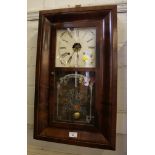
76,76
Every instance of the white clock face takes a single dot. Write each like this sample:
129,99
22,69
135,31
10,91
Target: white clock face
76,47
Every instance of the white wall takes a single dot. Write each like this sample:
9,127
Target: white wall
45,148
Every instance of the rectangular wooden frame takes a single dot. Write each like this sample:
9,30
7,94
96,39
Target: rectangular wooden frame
104,133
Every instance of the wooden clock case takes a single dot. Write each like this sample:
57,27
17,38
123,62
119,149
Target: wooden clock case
103,133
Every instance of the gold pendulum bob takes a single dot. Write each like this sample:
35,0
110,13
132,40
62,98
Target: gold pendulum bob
76,115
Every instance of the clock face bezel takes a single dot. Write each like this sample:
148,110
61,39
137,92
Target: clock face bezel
76,47
103,133
76,24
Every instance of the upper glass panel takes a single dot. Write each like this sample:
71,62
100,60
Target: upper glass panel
76,47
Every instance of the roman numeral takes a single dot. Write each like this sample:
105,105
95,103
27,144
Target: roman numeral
84,35
89,40
65,40
62,47
92,32
77,33
70,34
62,34
91,47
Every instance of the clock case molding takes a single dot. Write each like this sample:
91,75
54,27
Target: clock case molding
103,133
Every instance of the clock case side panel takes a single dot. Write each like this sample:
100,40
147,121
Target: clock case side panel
42,77
113,86
110,76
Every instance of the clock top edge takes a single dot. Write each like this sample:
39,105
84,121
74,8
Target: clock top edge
78,9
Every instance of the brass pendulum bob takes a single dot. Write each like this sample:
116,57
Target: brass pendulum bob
76,115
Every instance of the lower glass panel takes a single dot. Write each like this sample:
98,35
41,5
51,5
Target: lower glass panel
75,94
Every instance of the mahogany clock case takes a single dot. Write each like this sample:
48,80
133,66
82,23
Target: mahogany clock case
102,132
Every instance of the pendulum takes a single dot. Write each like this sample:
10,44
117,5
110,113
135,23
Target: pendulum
76,115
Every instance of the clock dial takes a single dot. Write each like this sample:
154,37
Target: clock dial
76,47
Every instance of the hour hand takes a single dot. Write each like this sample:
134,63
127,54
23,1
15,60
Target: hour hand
65,54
